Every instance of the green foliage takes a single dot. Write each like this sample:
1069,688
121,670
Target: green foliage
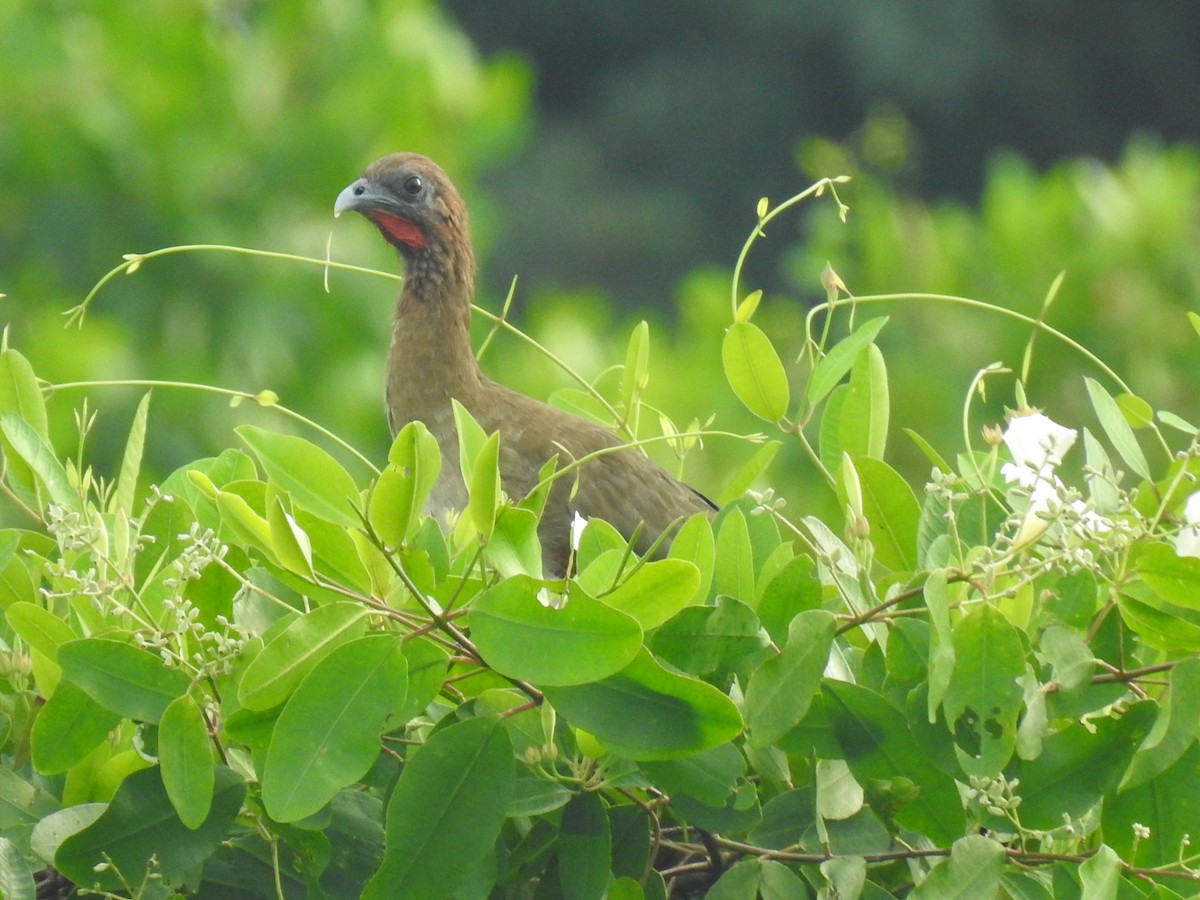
275,672
243,105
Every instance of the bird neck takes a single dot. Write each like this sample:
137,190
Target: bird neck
430,359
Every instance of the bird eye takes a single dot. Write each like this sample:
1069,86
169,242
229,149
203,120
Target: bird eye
413,185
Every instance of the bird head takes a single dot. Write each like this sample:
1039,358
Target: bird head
411,201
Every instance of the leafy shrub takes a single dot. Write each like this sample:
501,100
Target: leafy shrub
271,676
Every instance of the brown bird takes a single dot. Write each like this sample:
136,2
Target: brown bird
418,211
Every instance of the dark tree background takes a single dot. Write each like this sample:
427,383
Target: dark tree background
658,126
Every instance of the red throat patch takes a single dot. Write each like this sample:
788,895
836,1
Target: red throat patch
399,229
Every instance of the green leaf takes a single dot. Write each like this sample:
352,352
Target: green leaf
739,882
829,438
795,588
695,542
1169,804
891,507
16,875
637,359
445,812
655,591
941,640
865,411
782,688
404,485
246,526
514,547
973,870
39,628
734,573
1078,766
327,736
834,365
878,745
131,463
754,371
294,652
1174,729
185,754
584,641
471,438
314,479
123,678
983,700
584,848
1113,421
20,395
1100,874
68,728
708,777
711,640
1137,412
139,823
37,453
747,307
427,665
645,712
484,486
291,543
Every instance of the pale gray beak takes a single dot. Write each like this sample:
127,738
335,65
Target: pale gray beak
354,197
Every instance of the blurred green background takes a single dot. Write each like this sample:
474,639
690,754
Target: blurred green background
612,155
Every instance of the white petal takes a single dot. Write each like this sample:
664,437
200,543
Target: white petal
578,523
1037,441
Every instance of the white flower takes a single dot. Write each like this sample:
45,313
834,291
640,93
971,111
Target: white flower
1037,442
1187,542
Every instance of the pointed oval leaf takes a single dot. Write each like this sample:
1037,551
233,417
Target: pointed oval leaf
865,412
68,728
877,744
484,486
131,462
834,365
984,699
139,823
891,507
1080,765
185,755
291,543
327,736
121,677
445,812
20,394
39,628
313,478
646,712
294,652
782,688
244,524
584,641
656,591
403,486
584,847
695,543
754,371
637,358
973,870
1113,421
39,456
